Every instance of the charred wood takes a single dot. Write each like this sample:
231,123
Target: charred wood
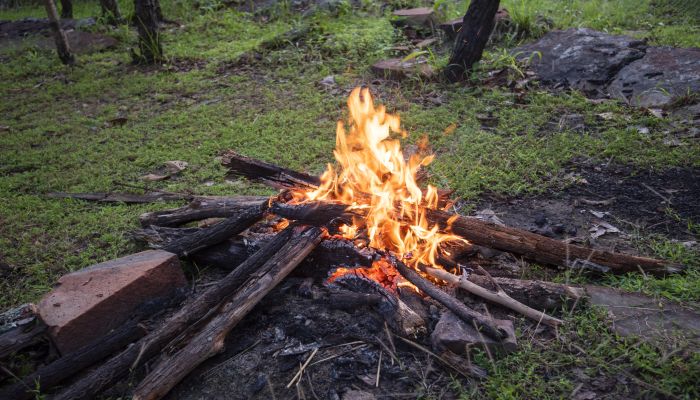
196,312
210,340
202,208
270,174
21,337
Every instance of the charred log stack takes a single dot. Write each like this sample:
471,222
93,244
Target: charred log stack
259,241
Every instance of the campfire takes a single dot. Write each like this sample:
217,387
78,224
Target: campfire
368,229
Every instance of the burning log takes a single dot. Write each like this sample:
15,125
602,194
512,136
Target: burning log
210,340
202,208
217,233
194,313
499,297
480,321
517,241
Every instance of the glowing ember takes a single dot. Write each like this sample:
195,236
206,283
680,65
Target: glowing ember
373,175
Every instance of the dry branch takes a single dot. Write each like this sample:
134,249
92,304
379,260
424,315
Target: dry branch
109,197
499,297
273,175
109,373
210,340
202,208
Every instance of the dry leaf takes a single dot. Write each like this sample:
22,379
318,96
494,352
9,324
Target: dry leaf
154,177
450,128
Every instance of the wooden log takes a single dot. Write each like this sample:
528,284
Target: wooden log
210,340
481,322
216,233
129,198
273,175
517,241
201,208
546,250
20,338
196,312
48,376
498,296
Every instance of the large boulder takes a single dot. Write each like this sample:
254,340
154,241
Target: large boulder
89,303
655,80
581,58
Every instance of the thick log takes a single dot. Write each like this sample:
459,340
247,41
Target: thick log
196,312
216,233
48,376
270,174
481,322
20,338
498,296
210,340
546,250
517,241
202,208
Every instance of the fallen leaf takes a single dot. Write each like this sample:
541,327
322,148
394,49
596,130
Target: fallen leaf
154,177
450,128
489,215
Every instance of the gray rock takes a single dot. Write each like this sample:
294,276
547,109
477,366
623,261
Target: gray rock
581,58
453,334
655,80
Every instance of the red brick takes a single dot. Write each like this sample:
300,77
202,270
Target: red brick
87,304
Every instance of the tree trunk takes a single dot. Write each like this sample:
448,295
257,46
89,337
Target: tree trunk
66,9
476,28
110,11
59,36
146,17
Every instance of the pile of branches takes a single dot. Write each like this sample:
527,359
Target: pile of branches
259,262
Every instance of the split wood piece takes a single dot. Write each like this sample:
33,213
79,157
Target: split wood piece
216,233
130,198
517,241
210,340
48,376
273,175
481,322
499,297
536,294
546,250
202,208
196,312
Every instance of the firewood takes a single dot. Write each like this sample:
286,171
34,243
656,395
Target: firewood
109,197
201,208
48,376
196,312
499,297
20,338
273,175
481,322
216,233
517,241
210,340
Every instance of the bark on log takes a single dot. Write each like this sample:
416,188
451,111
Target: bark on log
477,26
216,233
59,36
273,175
210,341
481,322
202,208
193,313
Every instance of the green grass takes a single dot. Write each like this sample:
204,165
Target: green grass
59,138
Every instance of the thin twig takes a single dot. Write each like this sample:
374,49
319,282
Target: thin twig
301,369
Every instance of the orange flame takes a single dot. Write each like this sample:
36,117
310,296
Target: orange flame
373,175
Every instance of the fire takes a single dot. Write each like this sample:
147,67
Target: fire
373,175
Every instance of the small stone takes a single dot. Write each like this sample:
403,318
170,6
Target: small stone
451,333
396,68
421,17
87,304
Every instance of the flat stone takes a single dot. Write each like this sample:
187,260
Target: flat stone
395,68
655,80
89,303
636,314
422,17
580,58
453,334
